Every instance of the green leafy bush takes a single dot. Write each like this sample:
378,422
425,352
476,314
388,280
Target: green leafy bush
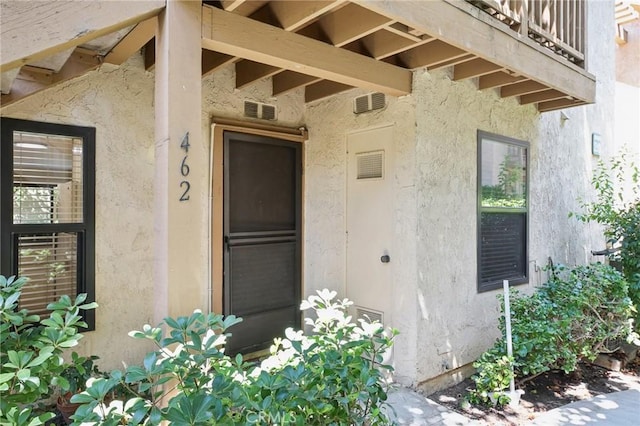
334,376
31,351
568,319
619,211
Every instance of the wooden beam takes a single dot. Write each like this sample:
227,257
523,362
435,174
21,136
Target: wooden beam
238,36
430,54
211,61
351,23
474,68
290,80
559,104
323,89
406,32
384,43
294,14
248,71
36,29
461,25
497,79
545,95
133,42
523,88
231,5
451,62
31,80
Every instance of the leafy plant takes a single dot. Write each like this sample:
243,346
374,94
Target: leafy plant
568,319
31,361
617,207
332,377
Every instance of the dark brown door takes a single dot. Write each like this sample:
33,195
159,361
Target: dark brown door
262,256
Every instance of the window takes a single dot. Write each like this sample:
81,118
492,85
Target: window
47,175
502,211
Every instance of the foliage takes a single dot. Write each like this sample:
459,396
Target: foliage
568,319
31,351
617,207
76,373
331,377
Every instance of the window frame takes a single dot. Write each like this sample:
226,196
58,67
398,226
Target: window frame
493,285
9,232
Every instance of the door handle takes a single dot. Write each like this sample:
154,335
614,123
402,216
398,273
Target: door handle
385,258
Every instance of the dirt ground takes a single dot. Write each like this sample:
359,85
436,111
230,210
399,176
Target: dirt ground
547,391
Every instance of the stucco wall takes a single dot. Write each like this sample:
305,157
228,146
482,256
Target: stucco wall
118,102
329,122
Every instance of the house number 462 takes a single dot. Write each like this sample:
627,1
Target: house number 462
184,169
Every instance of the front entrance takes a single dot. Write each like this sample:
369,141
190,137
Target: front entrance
261,238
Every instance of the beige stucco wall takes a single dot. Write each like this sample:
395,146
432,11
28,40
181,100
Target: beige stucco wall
118,102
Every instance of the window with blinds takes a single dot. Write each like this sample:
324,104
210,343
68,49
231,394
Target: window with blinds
502,211
47,210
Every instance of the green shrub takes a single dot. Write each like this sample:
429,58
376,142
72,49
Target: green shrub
619,212
31,362
568,319
334,376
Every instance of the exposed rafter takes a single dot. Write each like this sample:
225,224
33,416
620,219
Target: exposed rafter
322,89
498,79
132,42
290,80
238,36
40,29
523,88
32,79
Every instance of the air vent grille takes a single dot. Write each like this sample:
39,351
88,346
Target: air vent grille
369,315
370,102
259,110
370,165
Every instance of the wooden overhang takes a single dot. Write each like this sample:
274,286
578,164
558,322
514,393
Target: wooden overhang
325,46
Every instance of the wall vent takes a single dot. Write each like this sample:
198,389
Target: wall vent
259,110
370,102
370,165
369,315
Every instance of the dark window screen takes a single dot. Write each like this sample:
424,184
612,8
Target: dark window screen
503,237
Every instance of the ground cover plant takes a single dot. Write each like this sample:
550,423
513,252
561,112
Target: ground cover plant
332,376
31,349
568,319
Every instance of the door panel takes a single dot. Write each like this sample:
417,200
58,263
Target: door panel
262,224
370,177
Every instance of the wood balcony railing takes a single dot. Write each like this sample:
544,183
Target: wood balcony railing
558,25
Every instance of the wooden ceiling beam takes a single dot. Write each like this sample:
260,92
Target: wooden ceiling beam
545,95
474,68
497,79
559,104
137,38
430,54
406,32
248,71
294,14
41,29
31,79
383,43
451,62
323,89
212,61
150,54
234,35
523,88
231,5
350,23
290,80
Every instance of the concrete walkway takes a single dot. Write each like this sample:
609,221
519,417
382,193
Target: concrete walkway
614,409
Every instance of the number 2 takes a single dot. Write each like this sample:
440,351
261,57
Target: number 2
184,196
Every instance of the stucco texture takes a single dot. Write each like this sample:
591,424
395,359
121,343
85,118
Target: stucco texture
118,102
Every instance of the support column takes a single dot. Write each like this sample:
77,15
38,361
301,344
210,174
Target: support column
181,156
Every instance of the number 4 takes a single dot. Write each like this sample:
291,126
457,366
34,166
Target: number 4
185,143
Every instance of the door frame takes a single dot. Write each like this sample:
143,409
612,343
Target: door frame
216,223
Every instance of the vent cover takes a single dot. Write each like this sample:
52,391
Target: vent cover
369,315
370,165
259,110
370,102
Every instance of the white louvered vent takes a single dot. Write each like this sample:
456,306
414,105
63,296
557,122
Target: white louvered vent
370,165
369,315
259,110
370,102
